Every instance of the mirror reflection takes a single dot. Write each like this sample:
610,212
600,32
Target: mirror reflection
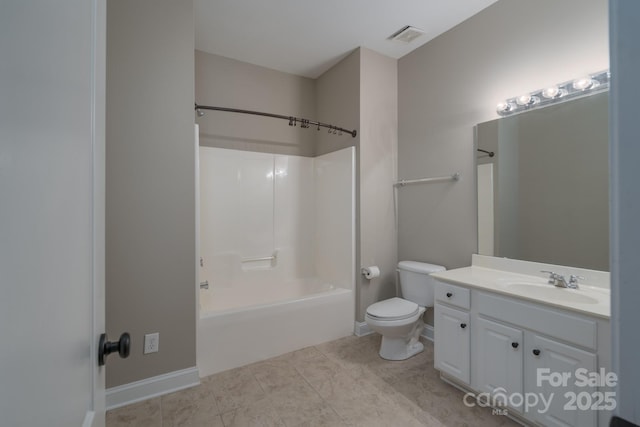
544,195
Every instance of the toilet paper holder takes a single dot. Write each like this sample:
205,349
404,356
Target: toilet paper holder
370,272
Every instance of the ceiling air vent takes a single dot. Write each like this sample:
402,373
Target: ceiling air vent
407,34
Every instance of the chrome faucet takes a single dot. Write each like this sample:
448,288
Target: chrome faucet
561,282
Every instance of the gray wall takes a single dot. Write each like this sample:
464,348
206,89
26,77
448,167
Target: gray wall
455,81
150,188
224,82
338,102
378,163
362,89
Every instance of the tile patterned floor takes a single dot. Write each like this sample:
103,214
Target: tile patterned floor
339,383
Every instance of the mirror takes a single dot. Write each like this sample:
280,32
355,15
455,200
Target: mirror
544,195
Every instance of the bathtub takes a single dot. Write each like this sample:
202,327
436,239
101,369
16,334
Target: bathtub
247,323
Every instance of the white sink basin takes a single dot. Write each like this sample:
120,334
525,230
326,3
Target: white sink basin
551,293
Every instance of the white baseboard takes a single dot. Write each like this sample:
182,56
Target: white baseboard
361,329
427,332
137,391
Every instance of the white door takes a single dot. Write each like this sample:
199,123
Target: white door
570,403
498,359
51,212
451,342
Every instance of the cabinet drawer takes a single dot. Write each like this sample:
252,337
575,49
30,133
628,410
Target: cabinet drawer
453,295
569,327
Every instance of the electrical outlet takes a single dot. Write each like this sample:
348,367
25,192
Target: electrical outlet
151,343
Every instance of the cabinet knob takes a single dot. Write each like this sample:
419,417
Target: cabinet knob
536,352
463,325
449,294
514,344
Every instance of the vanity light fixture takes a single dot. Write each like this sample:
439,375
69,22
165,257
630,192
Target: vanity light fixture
593,83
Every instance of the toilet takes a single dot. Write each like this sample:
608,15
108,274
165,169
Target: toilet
399,320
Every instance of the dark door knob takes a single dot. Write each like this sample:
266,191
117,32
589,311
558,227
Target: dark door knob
536,352
463,325
105,347
514,344
449,294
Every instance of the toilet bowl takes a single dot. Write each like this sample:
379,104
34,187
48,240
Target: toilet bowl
400,323
399,320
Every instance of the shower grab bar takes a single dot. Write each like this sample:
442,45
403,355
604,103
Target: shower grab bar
454,177
264,258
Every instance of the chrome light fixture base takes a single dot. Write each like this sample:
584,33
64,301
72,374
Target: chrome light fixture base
584,86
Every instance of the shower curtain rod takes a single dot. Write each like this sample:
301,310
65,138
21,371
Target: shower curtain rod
304,123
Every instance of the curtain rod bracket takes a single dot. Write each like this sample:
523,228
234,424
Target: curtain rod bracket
490,153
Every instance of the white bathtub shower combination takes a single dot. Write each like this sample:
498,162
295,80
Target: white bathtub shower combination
277,246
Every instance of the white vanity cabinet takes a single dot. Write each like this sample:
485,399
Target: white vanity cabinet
517,349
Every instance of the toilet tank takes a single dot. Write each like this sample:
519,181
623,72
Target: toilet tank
415,283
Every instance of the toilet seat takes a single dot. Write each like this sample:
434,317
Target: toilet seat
393,309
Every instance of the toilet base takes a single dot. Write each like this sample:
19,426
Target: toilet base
399,348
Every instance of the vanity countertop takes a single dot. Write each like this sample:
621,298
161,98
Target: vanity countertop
588,299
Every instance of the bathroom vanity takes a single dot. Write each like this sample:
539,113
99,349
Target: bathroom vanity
531,350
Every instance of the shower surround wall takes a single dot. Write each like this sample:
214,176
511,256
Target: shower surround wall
256,205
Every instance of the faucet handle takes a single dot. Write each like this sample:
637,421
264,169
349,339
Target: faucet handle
573,279
552,276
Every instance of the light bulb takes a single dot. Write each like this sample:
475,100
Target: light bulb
583,83
551,92
527,100
503,107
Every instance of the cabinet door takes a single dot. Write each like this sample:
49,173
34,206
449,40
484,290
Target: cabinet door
546,362
451,342
498,360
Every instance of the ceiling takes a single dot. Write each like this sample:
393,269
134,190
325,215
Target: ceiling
306,38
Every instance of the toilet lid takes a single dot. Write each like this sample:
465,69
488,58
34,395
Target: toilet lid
393,309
